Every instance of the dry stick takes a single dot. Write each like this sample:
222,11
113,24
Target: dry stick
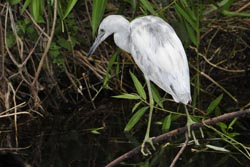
15,113
214,65
5,36
47,46
163,138
180,152
20,50
219,85
2,48
243,7
41,63
37,26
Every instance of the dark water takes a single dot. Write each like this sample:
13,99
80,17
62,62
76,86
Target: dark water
94,137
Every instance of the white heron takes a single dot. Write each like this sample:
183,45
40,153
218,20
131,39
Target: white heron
157,51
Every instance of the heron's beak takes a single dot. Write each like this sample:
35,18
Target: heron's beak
97,42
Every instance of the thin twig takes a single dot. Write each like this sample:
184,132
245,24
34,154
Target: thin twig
180,152
5,35
36,25
243,7
217,84
216,66
15,112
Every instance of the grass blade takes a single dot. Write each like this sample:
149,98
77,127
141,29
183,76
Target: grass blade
216,148
70,6
13,2
139,88
110,64
185,15
35,9
156,96
135,118
191,34
167,123
148,6
136,106
127,96
97,14
214,104
25,5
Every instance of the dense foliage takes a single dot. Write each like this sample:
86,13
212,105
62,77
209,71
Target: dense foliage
58,106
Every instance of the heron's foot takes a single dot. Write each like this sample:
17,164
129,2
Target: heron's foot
145,149
190,122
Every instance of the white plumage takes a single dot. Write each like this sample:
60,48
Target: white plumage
156,49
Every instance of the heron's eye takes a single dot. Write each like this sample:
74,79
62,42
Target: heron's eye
102,30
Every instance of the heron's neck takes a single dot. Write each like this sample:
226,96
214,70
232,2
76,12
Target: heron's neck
122,37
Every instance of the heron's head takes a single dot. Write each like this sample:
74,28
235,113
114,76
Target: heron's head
109,25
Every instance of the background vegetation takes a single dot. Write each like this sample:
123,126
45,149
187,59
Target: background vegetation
56,105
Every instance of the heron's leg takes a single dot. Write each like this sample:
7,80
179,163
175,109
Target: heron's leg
147,139
189,121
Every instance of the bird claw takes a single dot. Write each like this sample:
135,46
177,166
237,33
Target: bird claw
144,149
190,122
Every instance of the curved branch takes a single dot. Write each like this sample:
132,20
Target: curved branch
163,138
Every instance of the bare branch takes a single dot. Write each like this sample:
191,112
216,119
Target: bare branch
164,137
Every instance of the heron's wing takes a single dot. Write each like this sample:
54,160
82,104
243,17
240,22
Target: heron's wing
159,53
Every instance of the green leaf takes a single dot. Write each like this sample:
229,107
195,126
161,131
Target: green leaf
224,6
138,86
25,5
70,6
229,13
228,4
156,96
230,126
148,6
13,2
135,118
189,8
127,96
216,148
185,15
64,43
98,9
167,123
96,130
136,106
111,63
233,134
214,104
192,34
217,111
222,126
35,9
